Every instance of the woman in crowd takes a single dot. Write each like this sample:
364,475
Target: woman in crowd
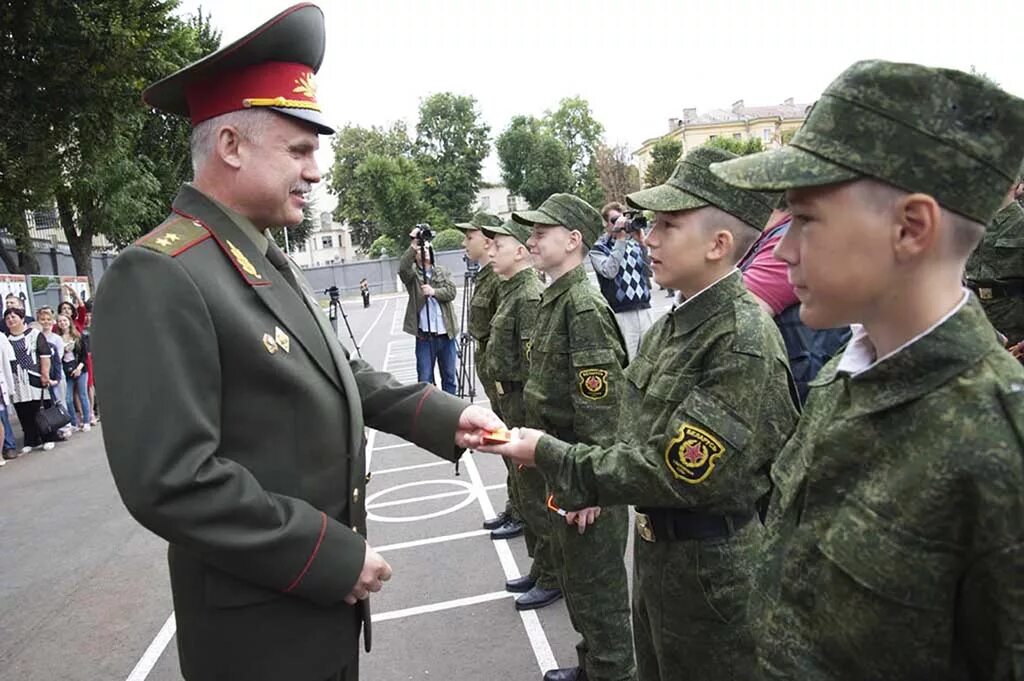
31,372
76,349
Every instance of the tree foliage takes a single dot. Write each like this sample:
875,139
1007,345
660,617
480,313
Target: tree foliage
451,145
383,247
740,147
665,156
352,145
396,189
574,125
298,234
617,175
448,240
534,164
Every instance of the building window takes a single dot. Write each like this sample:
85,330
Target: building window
737,136
711,137
485,203
327,241
512,205
766,134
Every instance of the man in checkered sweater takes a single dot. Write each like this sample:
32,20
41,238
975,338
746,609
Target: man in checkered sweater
622,265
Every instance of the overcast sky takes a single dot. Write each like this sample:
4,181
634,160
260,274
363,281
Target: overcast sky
638,62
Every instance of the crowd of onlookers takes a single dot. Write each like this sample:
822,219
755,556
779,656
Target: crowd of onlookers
45,361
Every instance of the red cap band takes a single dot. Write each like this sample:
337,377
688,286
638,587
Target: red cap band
277,84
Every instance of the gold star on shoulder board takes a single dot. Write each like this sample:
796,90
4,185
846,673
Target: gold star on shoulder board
166,240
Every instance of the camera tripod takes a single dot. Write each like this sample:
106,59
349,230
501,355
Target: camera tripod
466,375
332,314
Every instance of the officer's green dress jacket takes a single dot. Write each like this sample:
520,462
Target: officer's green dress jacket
713,376
444,293
233,421
895,535
999,258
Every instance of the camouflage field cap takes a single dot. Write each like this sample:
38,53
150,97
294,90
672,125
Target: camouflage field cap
478,221
942,132
511,228
569,211
692,185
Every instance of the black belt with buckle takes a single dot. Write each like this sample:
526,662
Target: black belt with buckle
680,524
431,334
506,387
991,290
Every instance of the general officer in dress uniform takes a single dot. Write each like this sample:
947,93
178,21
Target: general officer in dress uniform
245,450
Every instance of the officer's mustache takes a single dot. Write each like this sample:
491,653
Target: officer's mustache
303,188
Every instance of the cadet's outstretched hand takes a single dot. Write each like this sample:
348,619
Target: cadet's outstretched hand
522,449
473,423
375,572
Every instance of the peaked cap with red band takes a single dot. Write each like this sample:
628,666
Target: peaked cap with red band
271,67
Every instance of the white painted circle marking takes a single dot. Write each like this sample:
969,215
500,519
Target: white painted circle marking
465,501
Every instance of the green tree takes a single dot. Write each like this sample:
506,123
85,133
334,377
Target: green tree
383,247
617,175
664,158
574,125
534,164
751,145
77,118
451,145
448,240
396,189
351,145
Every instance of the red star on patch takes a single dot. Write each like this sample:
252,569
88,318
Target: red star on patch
693,454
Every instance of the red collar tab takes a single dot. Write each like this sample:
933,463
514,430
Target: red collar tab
286,85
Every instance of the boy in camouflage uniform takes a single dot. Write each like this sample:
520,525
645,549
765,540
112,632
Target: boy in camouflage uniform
576,358
482,305
507,369
709,401
995,271
895,533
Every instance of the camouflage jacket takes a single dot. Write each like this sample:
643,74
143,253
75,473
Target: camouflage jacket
482,307
1000,258
511,329
895,534
709,402
576,359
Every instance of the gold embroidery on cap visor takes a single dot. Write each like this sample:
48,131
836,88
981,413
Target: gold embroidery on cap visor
691,455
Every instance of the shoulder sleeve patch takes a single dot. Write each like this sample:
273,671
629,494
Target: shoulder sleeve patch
175,236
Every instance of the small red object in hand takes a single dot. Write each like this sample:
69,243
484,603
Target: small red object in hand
497,437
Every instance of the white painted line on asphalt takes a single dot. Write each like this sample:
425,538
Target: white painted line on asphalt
398,446
399,469
437,607
154,651
534,630
370,330
432,540
428,497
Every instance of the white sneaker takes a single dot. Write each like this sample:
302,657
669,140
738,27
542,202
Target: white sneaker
47,446
3,462
86,428
26,450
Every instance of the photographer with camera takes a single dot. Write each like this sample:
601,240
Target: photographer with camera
429,314
623,269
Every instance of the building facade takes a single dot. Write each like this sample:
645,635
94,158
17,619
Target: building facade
498,200
768,123
328,243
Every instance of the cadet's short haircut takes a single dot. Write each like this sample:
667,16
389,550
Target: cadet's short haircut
250,123
609,207
714,219
965,233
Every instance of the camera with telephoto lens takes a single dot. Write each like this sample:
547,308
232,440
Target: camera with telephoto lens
334,293
637,220
425,233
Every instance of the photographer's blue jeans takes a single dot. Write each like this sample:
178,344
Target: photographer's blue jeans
440,350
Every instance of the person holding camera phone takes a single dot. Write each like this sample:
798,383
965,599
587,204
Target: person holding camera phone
622,264
429,314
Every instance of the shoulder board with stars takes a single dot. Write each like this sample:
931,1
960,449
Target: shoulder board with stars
175,236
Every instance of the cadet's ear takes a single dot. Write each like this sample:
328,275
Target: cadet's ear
917,218
228,141
575,240
720,246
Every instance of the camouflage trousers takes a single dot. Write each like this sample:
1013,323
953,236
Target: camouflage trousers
690,607
511,507
594,582
532,501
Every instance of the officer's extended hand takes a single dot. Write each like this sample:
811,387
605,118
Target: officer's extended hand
583,517
375,572
473,423
522,449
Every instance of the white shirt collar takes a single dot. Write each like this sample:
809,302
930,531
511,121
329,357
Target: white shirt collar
859,355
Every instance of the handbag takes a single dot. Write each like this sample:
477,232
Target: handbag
51,419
